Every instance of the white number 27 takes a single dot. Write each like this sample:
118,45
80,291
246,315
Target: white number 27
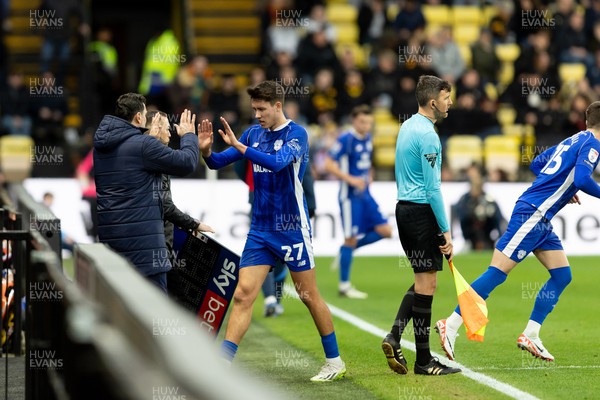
288,251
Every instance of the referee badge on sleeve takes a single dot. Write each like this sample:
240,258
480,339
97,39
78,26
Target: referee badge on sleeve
431,158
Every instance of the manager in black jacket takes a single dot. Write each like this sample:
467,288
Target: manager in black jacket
128,167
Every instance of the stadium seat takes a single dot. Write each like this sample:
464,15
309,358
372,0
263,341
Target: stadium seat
467,15
385,134
516,130
383,115
436,14
502,152
507,52
385,156
491,91
359,53
462,151
346,32
16,153
465,33
489,12
506,114
506,74
465,52
571,72
341,13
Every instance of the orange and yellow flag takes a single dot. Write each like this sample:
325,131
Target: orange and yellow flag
472,307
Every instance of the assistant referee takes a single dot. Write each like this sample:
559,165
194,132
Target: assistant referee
420,216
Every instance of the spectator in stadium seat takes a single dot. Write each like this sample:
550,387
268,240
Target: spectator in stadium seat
353,93
593,74
410,20
58,39
317,21
283,35
576,115
224,102
314,53
561,172
278,149
485,61
15,106
572,42
372,20
446,60
50,107
127,169
537,42
256,76
323,98
481,220
172,215
192,86
382,81
405,103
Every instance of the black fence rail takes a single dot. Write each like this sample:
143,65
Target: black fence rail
109,334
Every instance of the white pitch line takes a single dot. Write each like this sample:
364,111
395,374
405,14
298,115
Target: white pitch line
549,367
501,387
361,324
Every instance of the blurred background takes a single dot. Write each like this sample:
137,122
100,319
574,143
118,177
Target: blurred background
523,72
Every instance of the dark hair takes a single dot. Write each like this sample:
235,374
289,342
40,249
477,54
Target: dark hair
151,114
429,88
592,115
361,109
270,91
128,105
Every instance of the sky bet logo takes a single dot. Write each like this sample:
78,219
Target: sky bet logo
214,306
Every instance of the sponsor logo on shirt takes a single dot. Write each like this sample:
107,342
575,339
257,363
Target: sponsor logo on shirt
593,155
294,145
255,144
431,158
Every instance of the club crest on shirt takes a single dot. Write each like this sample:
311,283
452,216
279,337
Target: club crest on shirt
277,145
593,155
431,158
521,254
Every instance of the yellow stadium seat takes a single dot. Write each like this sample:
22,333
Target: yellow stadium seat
385,134
436,14
507,52
467,15
385,156
17,153
516,130
346,32
491,91
383,115
466,33
489,12
462,151
465,52
506,74
504,153
341,13
506,115
571,73
360,55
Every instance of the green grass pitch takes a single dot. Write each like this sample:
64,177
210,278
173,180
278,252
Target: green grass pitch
286,350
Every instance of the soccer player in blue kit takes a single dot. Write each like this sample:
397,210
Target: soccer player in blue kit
561,172
280,227
350,161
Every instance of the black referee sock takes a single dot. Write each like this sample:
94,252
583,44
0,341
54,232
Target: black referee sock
422,322
404,314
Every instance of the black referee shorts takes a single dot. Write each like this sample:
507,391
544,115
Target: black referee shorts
418,230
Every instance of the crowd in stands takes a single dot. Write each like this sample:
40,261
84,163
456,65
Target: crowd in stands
323,81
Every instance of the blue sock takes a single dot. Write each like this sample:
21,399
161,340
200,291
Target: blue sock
228,349
345,263
330,345
548,295
370,237
268,286
487,282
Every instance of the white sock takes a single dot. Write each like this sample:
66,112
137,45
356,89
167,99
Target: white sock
337,361
454,322
344,286
532,329
270,300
